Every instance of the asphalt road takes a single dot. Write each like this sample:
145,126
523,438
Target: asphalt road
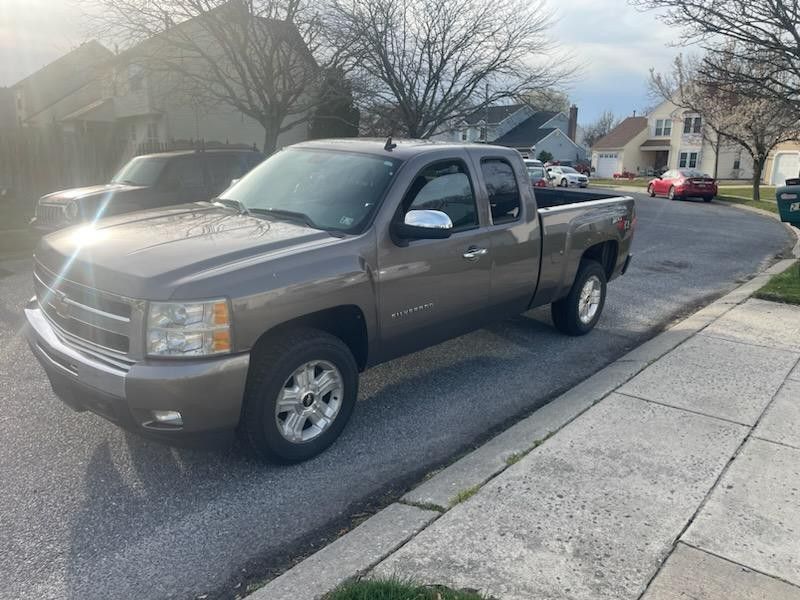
90,512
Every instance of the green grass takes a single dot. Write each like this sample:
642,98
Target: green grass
639,182
783,288
393,589
464,495
744,195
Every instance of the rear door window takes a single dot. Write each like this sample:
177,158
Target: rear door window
501,185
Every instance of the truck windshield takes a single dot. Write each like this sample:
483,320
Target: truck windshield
142,170
325,189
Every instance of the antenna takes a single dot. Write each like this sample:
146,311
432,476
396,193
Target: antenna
389,145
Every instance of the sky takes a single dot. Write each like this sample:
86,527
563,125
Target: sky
613,45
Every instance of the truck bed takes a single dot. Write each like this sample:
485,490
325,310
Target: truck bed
550,197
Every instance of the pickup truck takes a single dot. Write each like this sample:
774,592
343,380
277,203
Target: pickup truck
255,312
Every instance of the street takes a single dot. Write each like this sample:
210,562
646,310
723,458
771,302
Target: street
89,511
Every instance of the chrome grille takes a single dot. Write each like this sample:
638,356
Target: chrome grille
89,320
50,214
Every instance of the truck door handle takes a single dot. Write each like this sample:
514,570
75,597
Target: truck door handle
474,253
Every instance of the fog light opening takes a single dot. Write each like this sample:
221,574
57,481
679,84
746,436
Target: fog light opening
168,417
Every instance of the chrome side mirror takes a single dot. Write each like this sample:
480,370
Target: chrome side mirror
425,225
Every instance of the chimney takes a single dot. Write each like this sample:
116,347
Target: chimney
572,126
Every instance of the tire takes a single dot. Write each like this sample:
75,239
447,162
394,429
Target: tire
708,198
651,190
272,370
671,194
567,316
564,183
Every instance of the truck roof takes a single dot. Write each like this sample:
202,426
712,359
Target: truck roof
404,149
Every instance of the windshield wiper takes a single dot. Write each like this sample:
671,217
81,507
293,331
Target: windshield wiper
289,214
231,203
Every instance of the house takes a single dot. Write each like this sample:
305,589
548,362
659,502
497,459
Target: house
142,107
524,128
61,87
783,163
667,138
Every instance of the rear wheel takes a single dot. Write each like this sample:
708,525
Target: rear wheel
708,198
564,183
651,190
578,312
300,393
671,194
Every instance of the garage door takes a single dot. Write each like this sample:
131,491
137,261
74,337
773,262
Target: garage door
606,164
787,166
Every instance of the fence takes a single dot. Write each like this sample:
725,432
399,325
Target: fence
36,161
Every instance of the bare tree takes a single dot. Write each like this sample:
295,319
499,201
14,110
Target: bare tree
421,64
599,128
752,46
254,56
754,124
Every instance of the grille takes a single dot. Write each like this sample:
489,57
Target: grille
50,214
91,321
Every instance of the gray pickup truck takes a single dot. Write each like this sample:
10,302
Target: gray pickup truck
254,313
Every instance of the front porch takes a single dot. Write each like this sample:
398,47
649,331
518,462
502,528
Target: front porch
655,155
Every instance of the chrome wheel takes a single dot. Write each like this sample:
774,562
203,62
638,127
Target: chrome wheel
589,300
309,401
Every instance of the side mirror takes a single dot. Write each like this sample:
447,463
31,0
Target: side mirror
425,225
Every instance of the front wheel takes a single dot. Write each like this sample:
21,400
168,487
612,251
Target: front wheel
671,194
300,393
564,183
578,312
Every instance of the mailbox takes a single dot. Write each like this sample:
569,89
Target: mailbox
788,197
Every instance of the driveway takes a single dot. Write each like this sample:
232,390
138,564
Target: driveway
88,511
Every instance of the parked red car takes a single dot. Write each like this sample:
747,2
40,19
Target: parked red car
683,183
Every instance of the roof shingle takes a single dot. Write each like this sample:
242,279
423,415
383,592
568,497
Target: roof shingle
621,134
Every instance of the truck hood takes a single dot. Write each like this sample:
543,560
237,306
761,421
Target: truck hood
149,254
94,191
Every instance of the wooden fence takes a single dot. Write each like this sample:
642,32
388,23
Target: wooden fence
37,161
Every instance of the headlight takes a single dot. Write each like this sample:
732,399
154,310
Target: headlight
188,328
71,210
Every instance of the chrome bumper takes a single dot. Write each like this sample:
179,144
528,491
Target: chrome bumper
208,393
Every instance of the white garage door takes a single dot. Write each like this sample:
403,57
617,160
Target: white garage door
787,166
606,164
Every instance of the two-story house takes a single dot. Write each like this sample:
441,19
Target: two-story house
522,127
61,87
668,138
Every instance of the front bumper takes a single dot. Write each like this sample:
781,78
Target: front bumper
208,393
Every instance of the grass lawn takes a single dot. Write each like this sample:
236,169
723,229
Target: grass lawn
744,195
639,182
782,288
390,589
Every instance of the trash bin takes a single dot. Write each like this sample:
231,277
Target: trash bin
788,197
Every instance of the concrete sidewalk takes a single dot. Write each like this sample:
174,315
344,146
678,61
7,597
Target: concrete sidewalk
674,473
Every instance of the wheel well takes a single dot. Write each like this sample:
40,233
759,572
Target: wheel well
605,253
345,322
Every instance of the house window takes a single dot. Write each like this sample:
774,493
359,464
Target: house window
737,164
464,136
687,159
152,132
663,127
135,78
483,134
692,125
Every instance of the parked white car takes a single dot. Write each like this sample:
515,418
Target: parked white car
567,177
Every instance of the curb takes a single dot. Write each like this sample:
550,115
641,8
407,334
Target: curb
361,549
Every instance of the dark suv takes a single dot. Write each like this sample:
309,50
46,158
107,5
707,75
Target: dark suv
146,182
